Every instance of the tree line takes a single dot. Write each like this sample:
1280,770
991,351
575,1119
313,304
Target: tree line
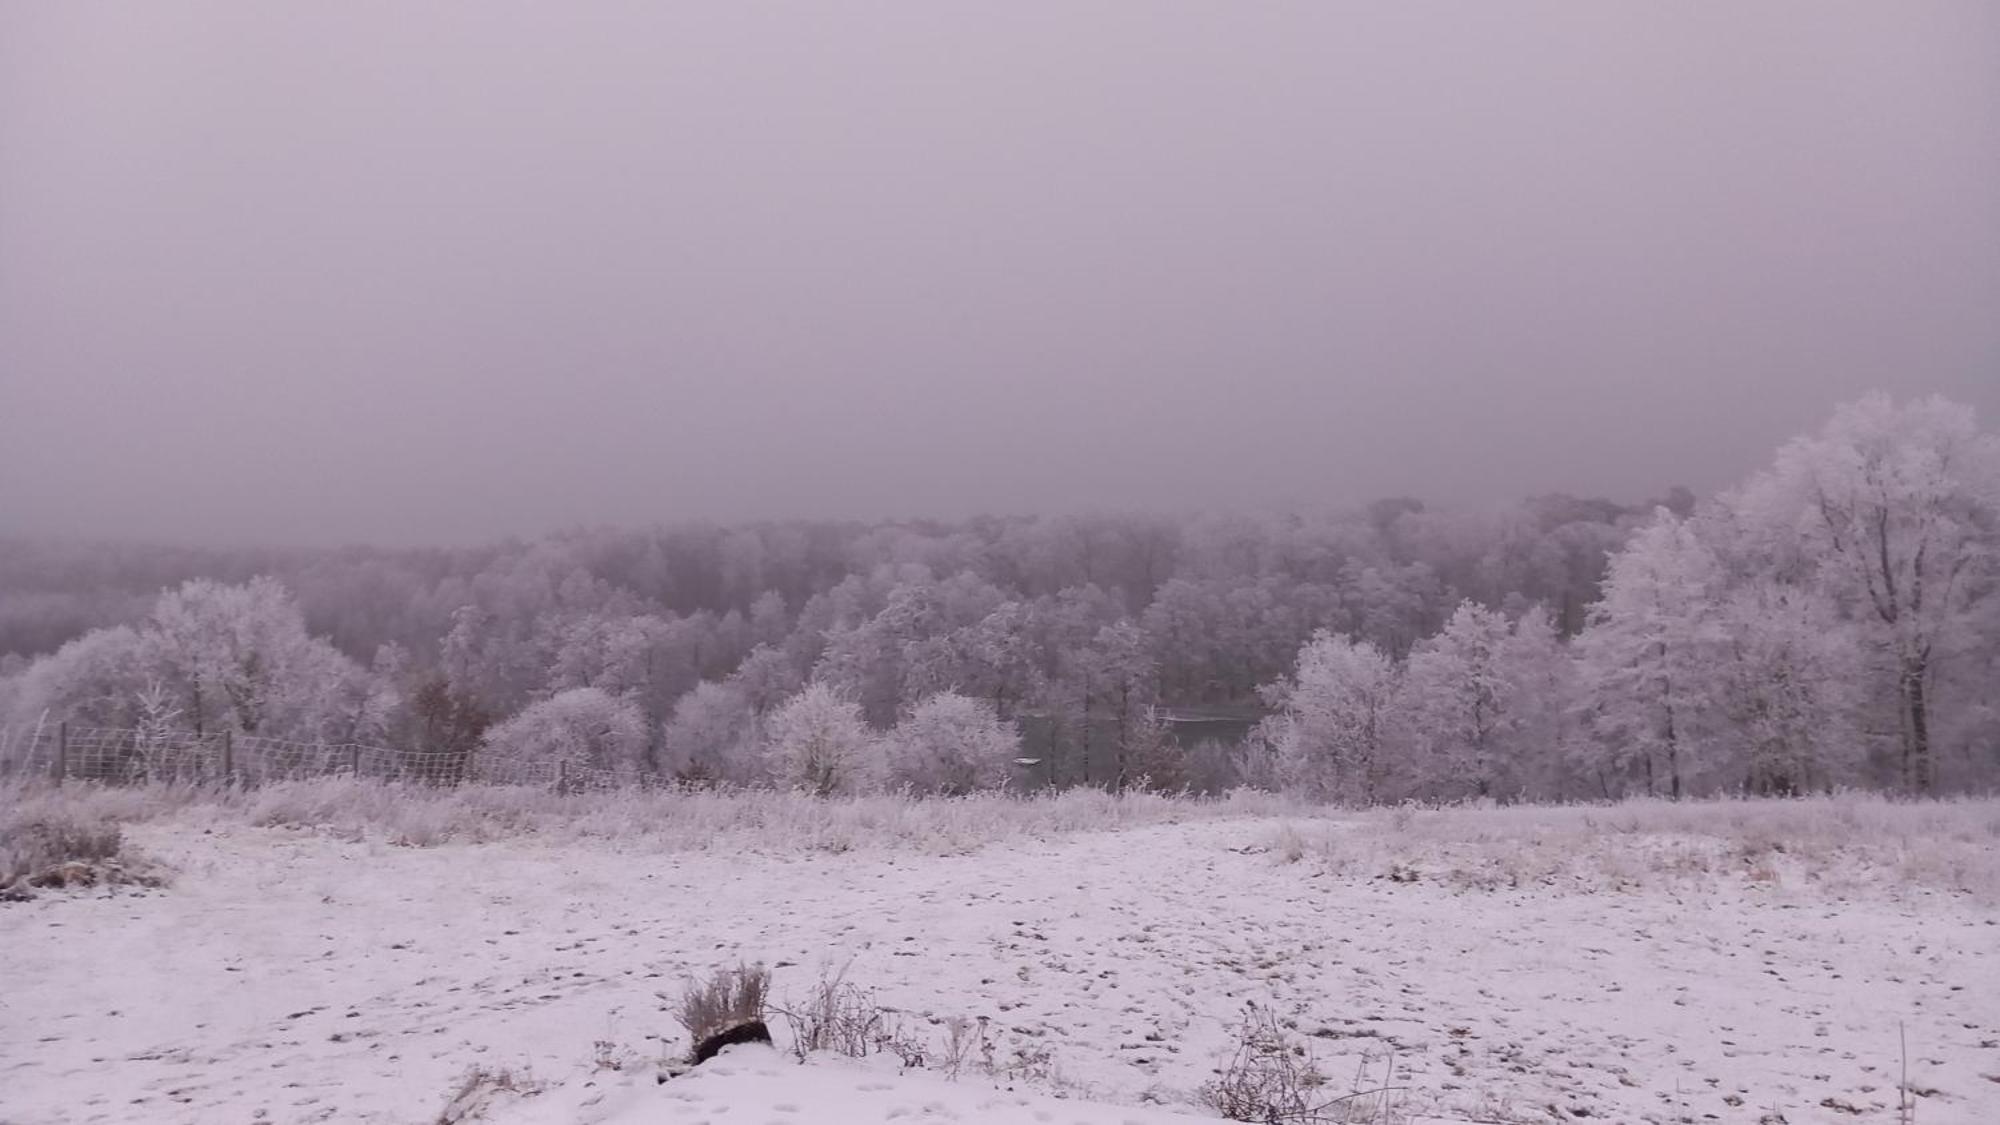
1832,621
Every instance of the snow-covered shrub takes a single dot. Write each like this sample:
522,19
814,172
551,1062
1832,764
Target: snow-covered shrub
818,743
580,727
952,744
30,846
46,841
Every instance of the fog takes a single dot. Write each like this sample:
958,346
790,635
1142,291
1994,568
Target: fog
375,272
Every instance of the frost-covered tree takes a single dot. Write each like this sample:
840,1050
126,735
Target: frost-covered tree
1462,708
1390,607
1537,666
240,659
1968,729
232,658
583,727
1334,719
998,659
159,717
870,660
769,619
952,744
441,730
93,681
159,724
1894,511
1183,623
1123,688
714,735
1649,657
766,677
818,742
1789,675
491,659
607,651
911,648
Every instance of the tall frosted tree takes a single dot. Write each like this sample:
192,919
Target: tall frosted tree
1123,690
239,658
1647,657
766,677
1462,703
1789,673
1541,679
1893,510
1335,719
998,657
904,652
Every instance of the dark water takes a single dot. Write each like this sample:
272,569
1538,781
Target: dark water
1087,755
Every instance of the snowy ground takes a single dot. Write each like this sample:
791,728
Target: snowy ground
757,1083
296,976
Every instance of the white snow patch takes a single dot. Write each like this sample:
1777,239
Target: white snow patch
298,977
759,1086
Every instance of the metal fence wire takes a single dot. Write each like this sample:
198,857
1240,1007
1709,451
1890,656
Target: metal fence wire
59,751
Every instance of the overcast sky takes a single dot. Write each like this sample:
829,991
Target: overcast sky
431,272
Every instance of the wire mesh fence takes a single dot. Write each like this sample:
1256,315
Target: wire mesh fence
61,752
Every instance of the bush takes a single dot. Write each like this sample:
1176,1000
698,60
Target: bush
819,744
1273,1079
952,744
713,736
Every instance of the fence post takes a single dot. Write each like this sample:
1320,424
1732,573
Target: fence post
354,758
228,754
562,775
62,750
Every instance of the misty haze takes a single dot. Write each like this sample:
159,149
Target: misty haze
1108,563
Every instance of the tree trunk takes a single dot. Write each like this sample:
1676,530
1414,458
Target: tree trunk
1917,735
1673,751
1121,756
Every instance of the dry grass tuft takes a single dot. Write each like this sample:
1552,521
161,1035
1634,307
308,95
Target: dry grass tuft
728,1000
662,819
49,841
478,1090
1273,1079
1846,844
839,1018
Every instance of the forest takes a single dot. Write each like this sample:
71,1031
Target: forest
1832,621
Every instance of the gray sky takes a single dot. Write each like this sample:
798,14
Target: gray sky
409,273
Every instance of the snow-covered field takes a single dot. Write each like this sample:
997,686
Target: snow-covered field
1491,970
